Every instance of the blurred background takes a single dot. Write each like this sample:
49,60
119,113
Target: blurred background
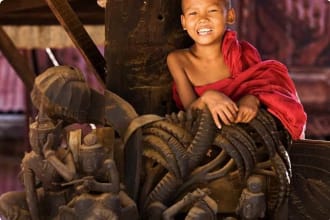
296,33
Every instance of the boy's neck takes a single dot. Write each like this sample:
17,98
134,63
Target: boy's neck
206,52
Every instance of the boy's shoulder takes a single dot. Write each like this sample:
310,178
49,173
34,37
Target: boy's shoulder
178,58
179,53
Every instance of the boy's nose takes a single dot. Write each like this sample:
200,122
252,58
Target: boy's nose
203,19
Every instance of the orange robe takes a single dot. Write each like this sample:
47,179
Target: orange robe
268,80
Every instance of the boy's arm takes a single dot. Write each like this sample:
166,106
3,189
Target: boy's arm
248,107
183,84
220,106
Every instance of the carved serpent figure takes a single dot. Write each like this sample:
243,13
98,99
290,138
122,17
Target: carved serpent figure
181,165
185,152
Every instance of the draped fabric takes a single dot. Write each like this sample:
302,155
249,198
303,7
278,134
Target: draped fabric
268,80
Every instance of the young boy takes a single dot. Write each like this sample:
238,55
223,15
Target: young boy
228,76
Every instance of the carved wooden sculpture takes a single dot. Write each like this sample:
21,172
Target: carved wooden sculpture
252,203
98,189
189,168
43,170
190,156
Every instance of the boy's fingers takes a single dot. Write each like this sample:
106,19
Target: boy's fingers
245,119
226,114
216,120
225,119
252,116
240,117
230,115
233,109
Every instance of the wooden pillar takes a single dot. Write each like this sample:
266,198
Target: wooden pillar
139,35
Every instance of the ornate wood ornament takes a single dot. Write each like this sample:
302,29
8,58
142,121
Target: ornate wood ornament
186,169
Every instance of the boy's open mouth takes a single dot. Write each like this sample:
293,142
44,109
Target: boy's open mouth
204,31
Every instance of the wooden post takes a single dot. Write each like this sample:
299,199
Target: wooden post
139,35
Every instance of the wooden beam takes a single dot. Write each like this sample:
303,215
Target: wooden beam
38,13
17,60
76,31
18,5
46,17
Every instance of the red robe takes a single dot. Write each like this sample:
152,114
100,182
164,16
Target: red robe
268,80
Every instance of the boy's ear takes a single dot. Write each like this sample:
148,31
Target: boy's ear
231,16
183,22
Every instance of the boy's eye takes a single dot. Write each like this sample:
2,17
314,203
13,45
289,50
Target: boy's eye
192,13
213,10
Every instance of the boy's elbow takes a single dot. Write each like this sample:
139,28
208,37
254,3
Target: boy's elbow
169,58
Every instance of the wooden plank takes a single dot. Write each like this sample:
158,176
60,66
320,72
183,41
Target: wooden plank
139,35
76,31
18,5
46,17
40,14
17,60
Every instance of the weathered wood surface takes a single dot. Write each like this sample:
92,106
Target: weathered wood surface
309,194
37,12
139,35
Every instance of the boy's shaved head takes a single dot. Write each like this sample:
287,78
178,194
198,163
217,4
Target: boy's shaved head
227,3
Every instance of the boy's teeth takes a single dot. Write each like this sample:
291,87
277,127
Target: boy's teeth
204,30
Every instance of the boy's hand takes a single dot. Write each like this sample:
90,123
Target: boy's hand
221,107
248,107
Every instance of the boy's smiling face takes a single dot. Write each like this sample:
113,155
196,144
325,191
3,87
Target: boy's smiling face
205,20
